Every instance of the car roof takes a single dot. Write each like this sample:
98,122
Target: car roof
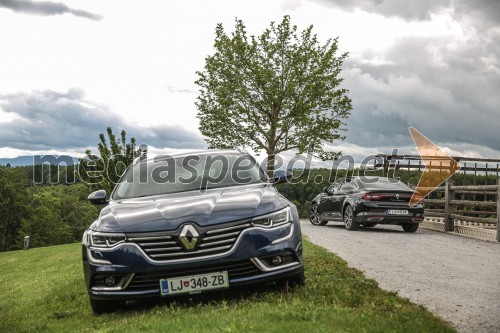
188,153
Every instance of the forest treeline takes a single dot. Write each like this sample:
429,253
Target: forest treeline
52,209
50,204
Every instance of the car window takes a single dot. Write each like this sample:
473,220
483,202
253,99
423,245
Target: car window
381,183
188,173
347,186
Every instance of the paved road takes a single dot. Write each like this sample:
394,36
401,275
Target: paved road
455,277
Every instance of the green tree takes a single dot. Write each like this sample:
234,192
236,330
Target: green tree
14,198
103,171
76,211
57,214
44,224
275,92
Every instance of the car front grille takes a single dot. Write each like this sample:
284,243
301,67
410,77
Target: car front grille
165,246
151,280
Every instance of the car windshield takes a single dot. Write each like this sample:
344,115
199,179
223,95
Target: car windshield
167,174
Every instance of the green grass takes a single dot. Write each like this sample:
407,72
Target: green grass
43,290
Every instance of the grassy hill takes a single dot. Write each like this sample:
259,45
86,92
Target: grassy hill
43,290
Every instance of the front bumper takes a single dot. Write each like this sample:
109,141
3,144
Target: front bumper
247,262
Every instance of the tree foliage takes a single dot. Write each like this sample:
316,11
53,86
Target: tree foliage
274,92
57,215
13,205
44,174
104,170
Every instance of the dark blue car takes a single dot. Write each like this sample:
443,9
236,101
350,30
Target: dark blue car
188,224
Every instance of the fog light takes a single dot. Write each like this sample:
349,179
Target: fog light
110,281
277,260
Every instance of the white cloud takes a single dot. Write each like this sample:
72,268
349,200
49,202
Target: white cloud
423,63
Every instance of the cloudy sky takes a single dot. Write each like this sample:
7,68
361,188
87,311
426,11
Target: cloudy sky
69,69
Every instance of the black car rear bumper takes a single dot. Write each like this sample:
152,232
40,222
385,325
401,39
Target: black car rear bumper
382,216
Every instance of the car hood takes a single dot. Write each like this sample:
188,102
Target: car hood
168,212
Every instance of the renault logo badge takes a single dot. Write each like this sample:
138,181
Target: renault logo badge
189,237
397,196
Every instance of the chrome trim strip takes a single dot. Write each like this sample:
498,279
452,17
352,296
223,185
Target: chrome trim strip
260,265
123,285
164,249
158,243
236,233
286,238
135,239
224,241
216,231
189,253
95,261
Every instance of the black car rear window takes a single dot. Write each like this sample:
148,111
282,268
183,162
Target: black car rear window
381,183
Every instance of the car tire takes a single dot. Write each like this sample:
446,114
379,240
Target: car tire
100,307
369,225
410,227
314,216
292,281
297,280
349,219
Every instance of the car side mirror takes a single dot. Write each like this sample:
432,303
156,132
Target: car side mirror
98,198
282,176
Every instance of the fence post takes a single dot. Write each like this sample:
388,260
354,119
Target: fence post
26,242
498,210
449,224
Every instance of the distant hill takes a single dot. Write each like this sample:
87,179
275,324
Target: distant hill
38,159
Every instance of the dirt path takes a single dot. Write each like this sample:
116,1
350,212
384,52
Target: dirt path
455,277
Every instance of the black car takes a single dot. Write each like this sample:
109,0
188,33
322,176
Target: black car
188,224
367,201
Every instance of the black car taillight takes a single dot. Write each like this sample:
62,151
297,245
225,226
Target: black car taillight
371,197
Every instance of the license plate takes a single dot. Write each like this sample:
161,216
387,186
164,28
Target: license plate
398,212
194,284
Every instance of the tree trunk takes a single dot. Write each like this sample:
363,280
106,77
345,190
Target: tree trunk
270,165
271,149
6,236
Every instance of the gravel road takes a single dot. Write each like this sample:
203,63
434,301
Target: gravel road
455,277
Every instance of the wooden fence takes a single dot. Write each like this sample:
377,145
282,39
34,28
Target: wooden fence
452,209
471,166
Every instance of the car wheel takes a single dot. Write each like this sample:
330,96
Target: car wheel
100,307
410,227
314,216
350,223
369,225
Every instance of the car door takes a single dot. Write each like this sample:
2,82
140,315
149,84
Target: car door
326,207
341,194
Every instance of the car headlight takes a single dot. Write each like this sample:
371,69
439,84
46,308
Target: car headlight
99,239
272,219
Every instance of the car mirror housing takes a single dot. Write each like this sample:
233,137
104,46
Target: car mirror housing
328,191
98,197
348,188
